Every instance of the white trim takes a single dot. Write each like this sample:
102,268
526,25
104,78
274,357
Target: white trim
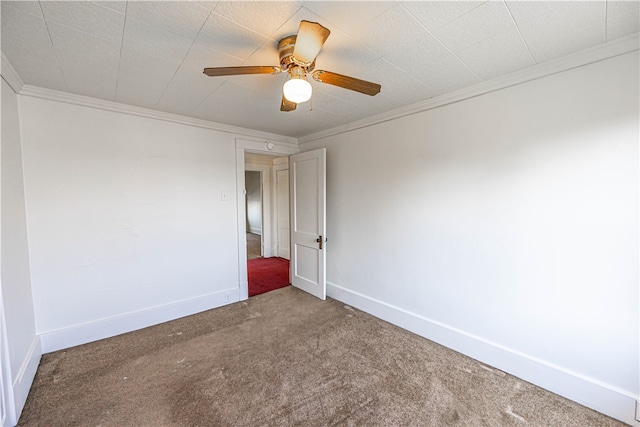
595,394
587,56
243,280
70,98
108,327
10,75
257,145
281,161
597,53
26,374
8,406
279,164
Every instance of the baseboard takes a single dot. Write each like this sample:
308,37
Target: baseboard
589,392
24,379
255,230
120,324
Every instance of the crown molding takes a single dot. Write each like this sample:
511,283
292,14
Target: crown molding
10,75
85,101
597,53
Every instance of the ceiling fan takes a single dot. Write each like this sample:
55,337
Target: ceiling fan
298,59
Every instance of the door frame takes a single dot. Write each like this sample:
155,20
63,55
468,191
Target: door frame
7,403
278,167
258,146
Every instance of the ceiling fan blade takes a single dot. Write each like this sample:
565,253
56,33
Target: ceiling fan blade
346,82
236,71
287,105
311,36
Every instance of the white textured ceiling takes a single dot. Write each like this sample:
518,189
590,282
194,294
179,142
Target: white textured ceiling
151,53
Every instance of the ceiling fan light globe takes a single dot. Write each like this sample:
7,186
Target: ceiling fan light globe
297,90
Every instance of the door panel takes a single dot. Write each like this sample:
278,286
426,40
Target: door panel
306,196
308,210
307,267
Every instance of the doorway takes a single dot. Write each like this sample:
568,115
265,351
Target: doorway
266,188
253,213
245,148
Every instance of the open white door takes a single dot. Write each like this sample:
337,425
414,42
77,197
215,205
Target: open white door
308,206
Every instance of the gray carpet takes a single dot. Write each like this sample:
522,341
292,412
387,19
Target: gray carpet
279,359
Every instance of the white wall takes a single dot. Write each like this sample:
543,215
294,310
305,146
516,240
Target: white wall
254,201
22,344
127,223
504,226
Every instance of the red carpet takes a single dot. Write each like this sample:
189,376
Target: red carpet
267,274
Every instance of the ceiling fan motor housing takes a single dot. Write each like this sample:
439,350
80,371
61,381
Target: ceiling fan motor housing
285,51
